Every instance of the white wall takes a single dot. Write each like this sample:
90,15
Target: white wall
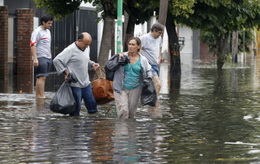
187,33
1,2
35,22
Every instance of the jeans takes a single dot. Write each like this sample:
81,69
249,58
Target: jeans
155,70
87,95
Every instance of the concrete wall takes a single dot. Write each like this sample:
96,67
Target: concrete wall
187,33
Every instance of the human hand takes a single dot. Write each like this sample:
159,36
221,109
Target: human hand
120,54
35,62
66,76
95,66
161,60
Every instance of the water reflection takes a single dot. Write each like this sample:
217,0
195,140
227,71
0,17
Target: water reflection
207,117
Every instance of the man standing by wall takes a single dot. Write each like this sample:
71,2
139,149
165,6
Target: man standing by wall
41,52
151,49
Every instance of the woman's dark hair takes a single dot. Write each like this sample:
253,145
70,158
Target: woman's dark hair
46,18
138,41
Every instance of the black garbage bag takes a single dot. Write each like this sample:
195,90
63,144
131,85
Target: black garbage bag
113,64
63,101
148,96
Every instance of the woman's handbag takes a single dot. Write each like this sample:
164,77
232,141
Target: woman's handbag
102,88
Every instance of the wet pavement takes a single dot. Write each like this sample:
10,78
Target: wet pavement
213,117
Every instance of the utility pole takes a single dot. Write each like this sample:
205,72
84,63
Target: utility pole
119,25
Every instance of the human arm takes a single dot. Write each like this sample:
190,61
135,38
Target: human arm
35,59
147,68
61,61
160,57
33,42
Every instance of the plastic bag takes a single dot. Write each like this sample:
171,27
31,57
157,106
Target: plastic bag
148,96
113,64
63,101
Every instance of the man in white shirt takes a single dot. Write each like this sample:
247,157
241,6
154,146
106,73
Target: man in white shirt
41,53
151,49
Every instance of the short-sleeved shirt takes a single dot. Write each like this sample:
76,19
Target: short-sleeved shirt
151,47
42,40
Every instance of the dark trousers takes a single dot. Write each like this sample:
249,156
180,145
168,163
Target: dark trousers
87,95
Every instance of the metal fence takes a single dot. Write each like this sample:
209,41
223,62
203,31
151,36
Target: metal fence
66,32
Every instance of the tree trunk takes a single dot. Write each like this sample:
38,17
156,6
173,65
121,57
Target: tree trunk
129,31
221,50
126,16
106,41
163,11
174,47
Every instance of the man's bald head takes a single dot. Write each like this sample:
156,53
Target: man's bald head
84,40
84,35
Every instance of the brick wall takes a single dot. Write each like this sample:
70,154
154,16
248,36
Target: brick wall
3,49
205,55
24,57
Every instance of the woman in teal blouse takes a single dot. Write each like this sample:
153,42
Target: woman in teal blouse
128,79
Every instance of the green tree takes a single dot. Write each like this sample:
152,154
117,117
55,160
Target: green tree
220,18
59,9
141,11
136,12
183,9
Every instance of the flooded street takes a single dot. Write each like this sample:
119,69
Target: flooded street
210,117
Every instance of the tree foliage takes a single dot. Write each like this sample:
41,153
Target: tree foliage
59,8
221,17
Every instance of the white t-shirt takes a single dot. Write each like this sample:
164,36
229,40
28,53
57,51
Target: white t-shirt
151,47
42,40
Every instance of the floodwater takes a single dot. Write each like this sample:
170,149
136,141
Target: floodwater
209,117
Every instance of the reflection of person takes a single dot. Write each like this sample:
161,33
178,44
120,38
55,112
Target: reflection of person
75,60
151,49
128,80
41,52
125,140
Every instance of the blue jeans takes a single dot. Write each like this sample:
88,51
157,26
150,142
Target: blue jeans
155,70
87,95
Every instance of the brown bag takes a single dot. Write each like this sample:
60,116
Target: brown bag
102,88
